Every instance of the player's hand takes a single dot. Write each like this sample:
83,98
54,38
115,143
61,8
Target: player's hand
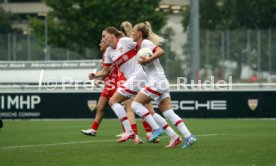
92,76
144,61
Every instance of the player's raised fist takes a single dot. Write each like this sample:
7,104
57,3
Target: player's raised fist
92,76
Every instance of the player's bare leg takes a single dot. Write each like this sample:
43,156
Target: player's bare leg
131,118
138,107
166,108
120,112
101,105
175,138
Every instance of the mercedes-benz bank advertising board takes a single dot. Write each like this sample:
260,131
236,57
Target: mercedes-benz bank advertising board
196,104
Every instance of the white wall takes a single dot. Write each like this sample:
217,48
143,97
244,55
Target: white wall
179,38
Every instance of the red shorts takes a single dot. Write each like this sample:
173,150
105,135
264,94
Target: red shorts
108,92
121,80
111,87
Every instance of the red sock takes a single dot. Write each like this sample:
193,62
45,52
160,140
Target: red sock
95,125
134,128
147,126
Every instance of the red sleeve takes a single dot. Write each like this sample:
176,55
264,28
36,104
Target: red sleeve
107,64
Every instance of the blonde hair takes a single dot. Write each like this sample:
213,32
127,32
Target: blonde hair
147,33
126,28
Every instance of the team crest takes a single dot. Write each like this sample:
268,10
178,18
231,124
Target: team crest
92,104
121,49
253,104
125,57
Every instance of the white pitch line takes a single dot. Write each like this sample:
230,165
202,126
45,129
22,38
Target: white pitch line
81,142
54,144
209,135
206,135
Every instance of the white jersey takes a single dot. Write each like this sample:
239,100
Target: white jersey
124,56
158,87
154,70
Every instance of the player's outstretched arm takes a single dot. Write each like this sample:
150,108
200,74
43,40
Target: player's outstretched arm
103,73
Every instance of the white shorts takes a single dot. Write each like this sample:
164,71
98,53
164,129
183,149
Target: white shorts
157,90
131,87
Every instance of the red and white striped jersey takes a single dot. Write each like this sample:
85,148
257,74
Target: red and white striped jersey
124,56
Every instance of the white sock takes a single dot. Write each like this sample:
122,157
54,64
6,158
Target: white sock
163,123
148,133
141,111
178,122
121,114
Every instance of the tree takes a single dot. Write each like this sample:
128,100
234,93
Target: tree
249,14
235,14
6,21
78,24
6,29
239,19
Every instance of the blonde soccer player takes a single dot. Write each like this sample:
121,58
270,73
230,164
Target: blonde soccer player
127,29
158,87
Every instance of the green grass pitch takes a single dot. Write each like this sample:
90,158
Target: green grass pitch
248,142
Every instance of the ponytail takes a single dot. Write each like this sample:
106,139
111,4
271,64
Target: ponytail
153,36
147,33
126,28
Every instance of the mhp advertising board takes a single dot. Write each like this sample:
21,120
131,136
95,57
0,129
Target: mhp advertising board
213,104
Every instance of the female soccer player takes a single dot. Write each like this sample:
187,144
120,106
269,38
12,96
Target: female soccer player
122,53
158,85
114,78
112,81
127,29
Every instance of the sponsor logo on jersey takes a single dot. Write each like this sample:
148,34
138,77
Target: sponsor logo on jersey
121,49
125,57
